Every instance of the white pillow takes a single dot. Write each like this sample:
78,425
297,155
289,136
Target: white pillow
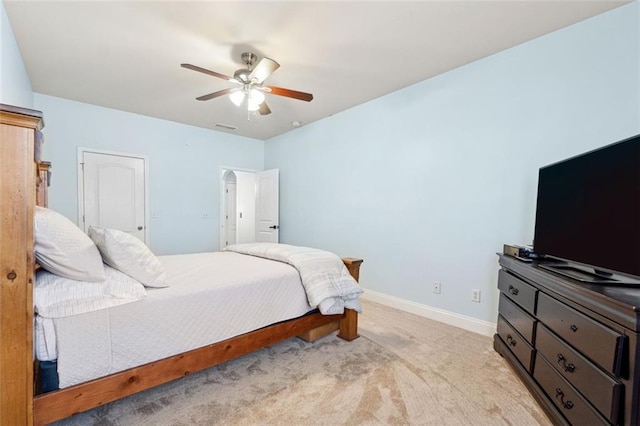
62,248
128,254
56,297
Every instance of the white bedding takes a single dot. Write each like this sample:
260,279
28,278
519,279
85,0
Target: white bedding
212,297
326,280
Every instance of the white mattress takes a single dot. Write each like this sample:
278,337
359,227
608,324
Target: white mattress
212,297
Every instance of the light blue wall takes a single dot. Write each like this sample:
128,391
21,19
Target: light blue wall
427,183
184,163
15,86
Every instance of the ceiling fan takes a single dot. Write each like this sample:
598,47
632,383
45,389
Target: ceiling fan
249,84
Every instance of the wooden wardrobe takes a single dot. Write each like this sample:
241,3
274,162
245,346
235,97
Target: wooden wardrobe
19,159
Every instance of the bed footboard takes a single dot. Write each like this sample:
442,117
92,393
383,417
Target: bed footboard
347,326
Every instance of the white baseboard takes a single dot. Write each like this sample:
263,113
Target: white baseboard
462,321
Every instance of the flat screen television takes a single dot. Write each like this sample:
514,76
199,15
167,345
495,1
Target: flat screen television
588,215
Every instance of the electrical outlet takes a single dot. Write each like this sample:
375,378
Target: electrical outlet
475,295
436,287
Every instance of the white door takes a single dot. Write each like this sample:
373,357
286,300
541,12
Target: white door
230,192
113,192
267,213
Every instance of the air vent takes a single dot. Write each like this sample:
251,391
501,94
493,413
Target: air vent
224,126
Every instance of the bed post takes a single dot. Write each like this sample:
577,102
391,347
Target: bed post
19,152
348,325
353,266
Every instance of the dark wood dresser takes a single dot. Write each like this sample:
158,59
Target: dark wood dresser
574,345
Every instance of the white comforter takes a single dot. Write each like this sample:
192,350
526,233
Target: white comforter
325,278
211,297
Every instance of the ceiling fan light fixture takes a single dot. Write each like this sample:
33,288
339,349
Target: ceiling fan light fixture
256,96
253,106
237,97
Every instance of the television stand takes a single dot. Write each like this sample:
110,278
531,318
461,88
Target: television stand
574,345
586,276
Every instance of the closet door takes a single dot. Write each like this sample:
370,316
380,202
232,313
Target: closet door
113,191
267,207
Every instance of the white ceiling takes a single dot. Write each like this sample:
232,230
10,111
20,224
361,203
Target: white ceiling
127,54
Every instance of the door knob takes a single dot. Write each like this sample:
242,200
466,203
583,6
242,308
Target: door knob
140,228
274,227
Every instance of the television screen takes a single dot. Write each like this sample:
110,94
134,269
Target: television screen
588,209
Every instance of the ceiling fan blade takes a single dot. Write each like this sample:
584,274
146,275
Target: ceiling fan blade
205,71
216,94
308,97
264,69
264,109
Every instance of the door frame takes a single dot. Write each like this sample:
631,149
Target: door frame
79,157
222,201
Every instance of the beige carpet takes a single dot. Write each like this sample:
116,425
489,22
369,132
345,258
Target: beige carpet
405,369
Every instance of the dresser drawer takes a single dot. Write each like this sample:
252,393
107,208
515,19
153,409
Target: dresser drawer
516,343
522,293
517,317
588,336
569,402
594,384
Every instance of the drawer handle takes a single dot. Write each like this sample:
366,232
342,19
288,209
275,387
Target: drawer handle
574,328
511,340
568,368
560,395
513,290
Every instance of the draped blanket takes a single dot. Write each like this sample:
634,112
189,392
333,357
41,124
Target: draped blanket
325,278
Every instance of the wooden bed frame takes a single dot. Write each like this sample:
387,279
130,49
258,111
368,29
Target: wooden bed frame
21,177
